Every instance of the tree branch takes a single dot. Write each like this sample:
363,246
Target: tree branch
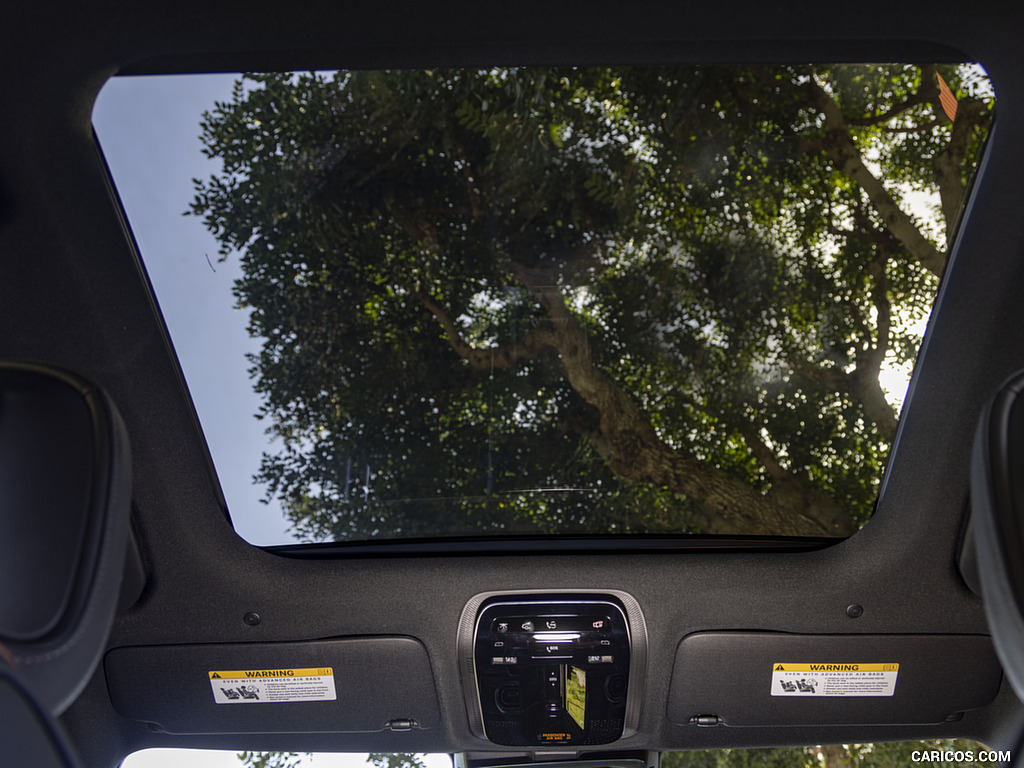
762,452
948,162
846,158
917,128
484,359
870,361
923,96
472,188
865,236
415,228
859,384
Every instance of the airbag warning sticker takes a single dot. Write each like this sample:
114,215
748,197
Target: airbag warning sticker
834,679
260,686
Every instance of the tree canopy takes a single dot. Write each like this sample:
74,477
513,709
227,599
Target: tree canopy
883,755
572,300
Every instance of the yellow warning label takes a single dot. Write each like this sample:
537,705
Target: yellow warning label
849,679
255,674
261,686
782,666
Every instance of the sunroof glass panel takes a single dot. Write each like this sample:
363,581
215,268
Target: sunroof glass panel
636,300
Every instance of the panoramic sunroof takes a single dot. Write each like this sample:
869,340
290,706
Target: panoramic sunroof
517,301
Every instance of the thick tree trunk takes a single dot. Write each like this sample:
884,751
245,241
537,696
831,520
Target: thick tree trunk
637,452
836,756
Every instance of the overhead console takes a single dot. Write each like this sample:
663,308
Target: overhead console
543,670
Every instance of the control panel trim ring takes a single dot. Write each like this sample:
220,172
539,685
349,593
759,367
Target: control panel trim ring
635,625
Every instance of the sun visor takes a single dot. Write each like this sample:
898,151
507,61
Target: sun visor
774,679
346,685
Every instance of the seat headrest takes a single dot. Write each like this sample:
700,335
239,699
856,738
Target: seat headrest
29,734
997,520
65,490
